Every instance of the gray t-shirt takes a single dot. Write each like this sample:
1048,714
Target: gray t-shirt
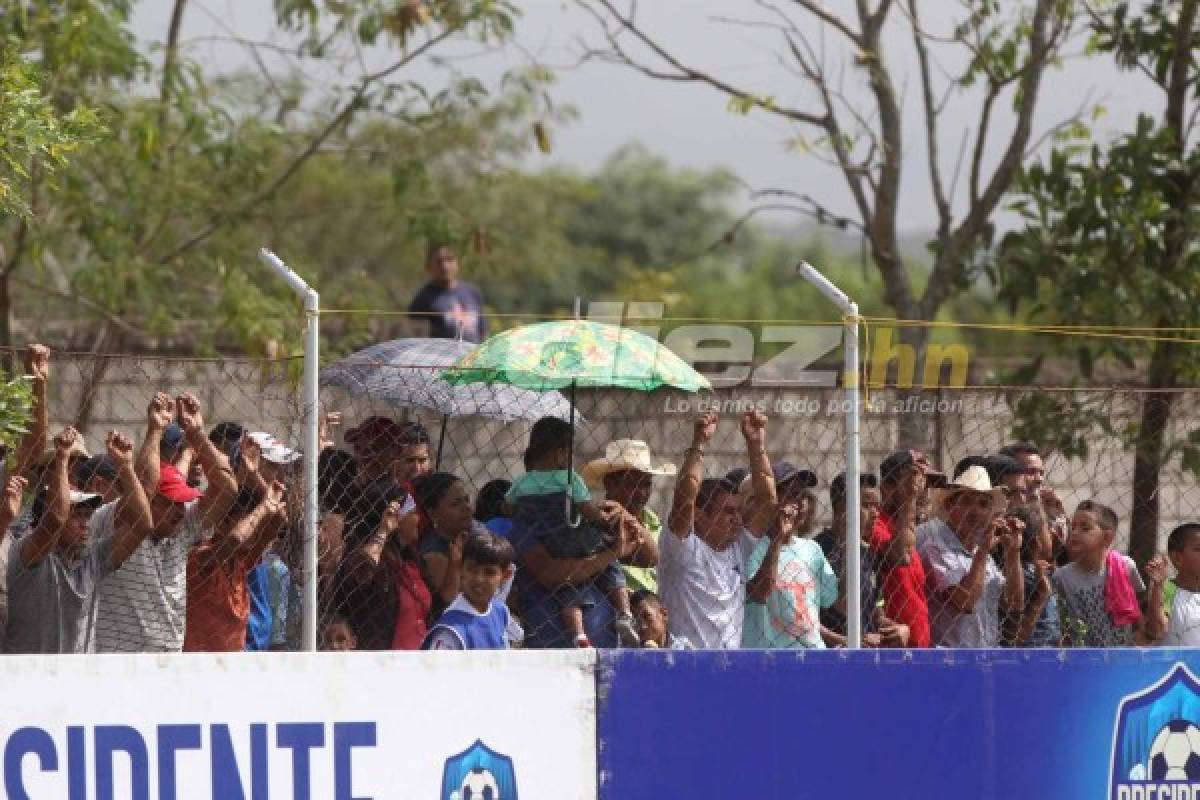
52,605
141,607
1085,623
946,563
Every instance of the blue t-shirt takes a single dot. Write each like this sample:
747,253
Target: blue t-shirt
448,310
258,624
804,584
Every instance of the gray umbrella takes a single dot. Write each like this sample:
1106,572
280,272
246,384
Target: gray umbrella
407,373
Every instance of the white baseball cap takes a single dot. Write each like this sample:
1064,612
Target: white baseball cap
274,450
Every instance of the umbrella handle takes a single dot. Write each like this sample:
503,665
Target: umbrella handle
574,519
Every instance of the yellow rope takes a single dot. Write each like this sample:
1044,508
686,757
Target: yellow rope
1120,332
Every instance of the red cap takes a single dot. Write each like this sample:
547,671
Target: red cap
173,486
374,429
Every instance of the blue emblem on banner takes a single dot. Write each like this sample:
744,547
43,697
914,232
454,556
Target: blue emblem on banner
1156,741
479,773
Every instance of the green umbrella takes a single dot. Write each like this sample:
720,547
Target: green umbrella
571,353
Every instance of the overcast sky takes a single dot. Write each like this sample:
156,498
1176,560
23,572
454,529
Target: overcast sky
688,124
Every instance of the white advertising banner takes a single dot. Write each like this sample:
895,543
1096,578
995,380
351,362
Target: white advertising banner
324,726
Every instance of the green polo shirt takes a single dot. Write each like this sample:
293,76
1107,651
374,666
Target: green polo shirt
645,578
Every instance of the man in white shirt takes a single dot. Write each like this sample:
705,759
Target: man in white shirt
702,557
1182,596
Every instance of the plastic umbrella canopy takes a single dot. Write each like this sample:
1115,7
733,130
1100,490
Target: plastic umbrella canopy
409,372
583,353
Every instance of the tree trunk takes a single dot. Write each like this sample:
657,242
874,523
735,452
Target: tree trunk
108,341
914,428
1148,454
10,360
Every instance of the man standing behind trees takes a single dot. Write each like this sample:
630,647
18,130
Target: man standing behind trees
452,308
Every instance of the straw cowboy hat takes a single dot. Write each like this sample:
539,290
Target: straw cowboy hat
972,479
624,454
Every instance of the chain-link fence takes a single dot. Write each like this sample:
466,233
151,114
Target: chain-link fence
411,468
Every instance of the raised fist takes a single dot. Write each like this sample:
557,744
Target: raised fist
754,426
64,442
190,418
37,361
13,491
705,428
1156,569
160,411
275,500
1010,534
119,448
250,454
391,517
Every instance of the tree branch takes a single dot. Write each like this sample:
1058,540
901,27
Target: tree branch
170,60
817,9
897,286
682,72
1046,32
339,119
83,302
931,124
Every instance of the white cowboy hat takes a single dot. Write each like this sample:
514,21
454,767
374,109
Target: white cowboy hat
972,479
623,454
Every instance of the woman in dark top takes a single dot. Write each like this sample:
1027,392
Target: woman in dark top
381,587
443,500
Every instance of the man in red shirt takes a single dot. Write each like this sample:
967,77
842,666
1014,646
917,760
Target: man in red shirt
904,477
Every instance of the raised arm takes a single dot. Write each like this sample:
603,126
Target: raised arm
643,549
1155,626
362,563
1037,603
44,537
10,505
133,521
249,473
758,589
444,570
222,486
253,533
687,486
148,464
33,443
899,550
762,480
1010,535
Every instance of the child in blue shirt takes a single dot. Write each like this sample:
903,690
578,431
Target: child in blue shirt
476,620
539,500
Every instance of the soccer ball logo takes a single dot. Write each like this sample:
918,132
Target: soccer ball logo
479,784
1175,754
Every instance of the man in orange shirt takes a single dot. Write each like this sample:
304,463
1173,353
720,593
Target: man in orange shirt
218,601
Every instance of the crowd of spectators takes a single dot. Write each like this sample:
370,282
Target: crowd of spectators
189,540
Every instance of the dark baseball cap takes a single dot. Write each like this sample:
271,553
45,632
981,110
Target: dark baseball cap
737,475
901,459
100,465
172,437
786,472
1001,466
374,429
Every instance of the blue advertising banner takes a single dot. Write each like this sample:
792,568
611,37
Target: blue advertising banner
1002,724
